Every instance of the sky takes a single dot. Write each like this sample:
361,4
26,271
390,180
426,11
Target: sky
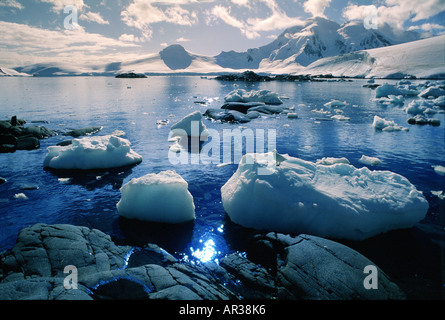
104,31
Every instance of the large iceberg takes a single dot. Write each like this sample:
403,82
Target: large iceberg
162,197
96,152
339,201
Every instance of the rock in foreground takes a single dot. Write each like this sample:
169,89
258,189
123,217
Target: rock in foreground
301,267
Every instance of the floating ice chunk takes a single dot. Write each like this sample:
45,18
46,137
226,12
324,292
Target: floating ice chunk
340,117
162,197
20,196
372,161
439,194
335,104
439,170
418,106
329,161
191,125
95,152
440,101
386,90
292,115
241,95
351,203
391,99
432,92
386,125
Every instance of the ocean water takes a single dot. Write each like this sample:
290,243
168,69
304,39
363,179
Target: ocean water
135,105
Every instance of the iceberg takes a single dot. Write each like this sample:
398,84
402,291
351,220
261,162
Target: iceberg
336,201
386,125
372,161
335,104
162,197
191,125
434,92
99,152
386,90
241,95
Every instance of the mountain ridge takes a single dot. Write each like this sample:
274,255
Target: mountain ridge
296,50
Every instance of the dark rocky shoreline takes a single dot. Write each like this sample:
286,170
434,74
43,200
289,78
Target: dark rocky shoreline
299,267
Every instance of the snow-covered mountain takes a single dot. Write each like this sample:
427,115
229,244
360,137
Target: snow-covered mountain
317,38
422,58
320,46
6,72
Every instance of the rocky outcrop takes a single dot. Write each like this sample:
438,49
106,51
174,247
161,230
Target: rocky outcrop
15,136
301,267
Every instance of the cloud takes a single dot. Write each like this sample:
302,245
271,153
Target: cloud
182,39
316,7
93,17
252,27
12,4
141,14
27,44
59,5
241,3
397,12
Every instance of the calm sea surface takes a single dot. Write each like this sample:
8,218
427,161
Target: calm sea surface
135,105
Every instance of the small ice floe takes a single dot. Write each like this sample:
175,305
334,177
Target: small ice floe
432,92
95,152
29,186
386,125
162,197
418,106
321,111
340,117
162,122
391,99
329,161
118,133
241,95
223,164
439,170
20,196
191,126
372,161
292,115
386,90
335,104
64,180
440,194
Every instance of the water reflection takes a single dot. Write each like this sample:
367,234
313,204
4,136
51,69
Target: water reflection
207,252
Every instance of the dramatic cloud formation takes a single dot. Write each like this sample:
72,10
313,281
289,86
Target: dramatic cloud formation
397,12
141,14
316,7
251,28
30,44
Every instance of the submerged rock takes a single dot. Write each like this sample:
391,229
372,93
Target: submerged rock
83,132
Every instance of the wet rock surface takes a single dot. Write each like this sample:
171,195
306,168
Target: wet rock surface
301,267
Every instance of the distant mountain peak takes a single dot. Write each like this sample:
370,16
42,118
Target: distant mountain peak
316,38
176,57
